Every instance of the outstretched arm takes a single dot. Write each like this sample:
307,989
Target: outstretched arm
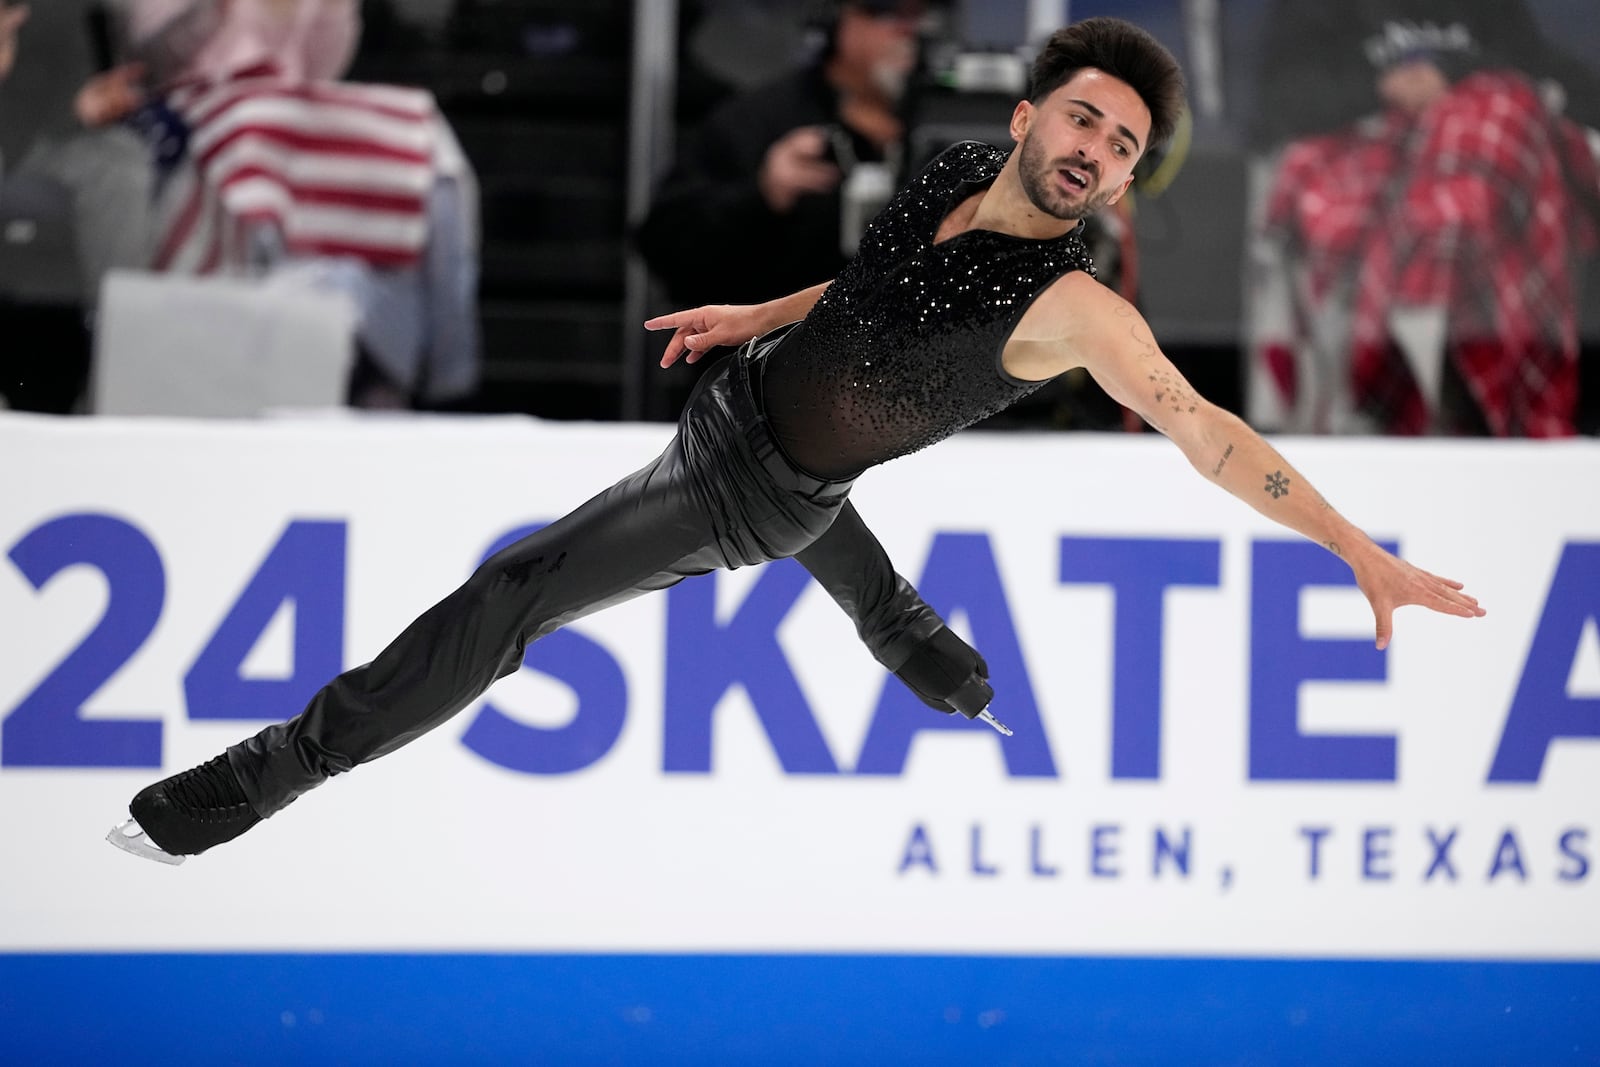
698,330
1115,343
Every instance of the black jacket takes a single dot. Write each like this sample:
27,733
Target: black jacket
710,237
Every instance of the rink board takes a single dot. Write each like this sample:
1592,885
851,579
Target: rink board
1211,764
700,1010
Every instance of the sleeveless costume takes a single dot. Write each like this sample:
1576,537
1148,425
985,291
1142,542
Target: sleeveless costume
901,351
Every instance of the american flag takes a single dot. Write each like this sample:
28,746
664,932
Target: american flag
338,169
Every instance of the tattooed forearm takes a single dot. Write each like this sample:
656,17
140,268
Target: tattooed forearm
1333,546
1223,462
1277,485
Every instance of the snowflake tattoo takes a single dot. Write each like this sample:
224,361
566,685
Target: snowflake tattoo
1277,484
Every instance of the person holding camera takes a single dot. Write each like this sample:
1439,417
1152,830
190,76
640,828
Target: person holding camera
765,171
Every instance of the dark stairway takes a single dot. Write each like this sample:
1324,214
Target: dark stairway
537,92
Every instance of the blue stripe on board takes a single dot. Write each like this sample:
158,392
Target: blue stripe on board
536,1009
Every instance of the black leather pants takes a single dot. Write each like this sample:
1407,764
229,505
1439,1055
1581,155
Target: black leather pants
721,495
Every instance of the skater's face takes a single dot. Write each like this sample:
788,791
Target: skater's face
1078,145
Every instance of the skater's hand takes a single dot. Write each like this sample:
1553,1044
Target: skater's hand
1389,583
698,330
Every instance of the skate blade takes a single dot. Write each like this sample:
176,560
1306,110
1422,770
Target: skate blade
984,716
130,837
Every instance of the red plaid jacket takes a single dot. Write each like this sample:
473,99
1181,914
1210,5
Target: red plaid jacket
1480,206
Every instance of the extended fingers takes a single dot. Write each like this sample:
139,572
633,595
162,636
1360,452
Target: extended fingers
1459,604
1436,595
676,348
684,324
1451,582
670,321
1445,595
689,345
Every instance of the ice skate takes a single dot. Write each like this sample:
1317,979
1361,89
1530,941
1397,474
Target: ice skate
984,716
186,814
130,837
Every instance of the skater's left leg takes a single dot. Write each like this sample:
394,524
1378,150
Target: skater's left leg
713,499
644,533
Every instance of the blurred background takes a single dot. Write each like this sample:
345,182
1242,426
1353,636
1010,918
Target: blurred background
297,296
575,168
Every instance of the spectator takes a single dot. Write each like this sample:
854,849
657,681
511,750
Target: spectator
71,204
102,171
752,208
268,165
1429,205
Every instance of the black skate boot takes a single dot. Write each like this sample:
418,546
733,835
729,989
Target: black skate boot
186,814
948,675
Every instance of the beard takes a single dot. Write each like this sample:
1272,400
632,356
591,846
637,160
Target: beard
1043,187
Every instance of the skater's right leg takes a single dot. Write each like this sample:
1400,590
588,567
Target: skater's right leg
898,627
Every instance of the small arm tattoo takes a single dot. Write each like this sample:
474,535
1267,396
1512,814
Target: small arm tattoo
1223,462
1333,546
1277,485
1170,388
1171,391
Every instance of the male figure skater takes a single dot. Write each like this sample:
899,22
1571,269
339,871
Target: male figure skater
970,290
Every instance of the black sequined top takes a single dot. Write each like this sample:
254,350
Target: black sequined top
905,347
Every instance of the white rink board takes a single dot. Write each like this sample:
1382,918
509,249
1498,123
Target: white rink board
438,847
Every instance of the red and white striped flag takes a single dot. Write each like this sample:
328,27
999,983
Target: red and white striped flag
339,169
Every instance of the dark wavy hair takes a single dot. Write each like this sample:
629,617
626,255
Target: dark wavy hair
1123,51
